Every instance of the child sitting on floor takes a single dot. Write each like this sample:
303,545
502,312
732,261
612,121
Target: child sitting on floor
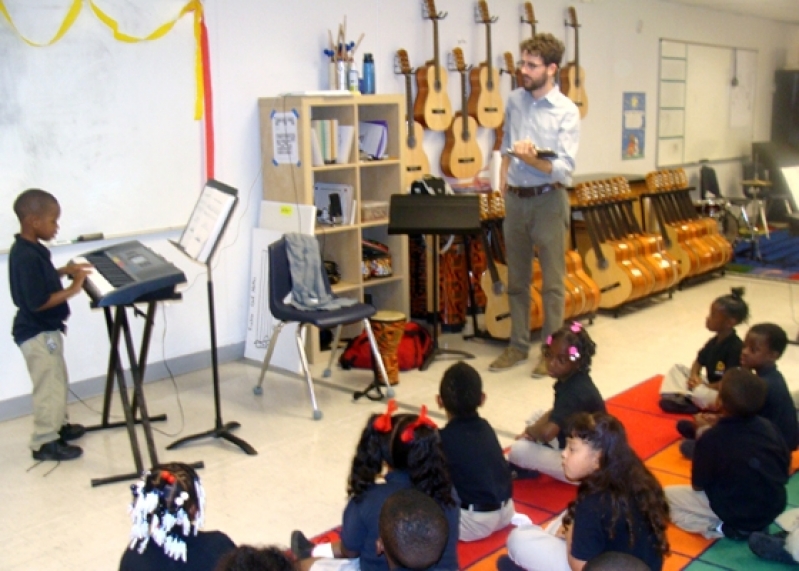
764,344
568,354
477,465
740,467
167,512
689,390
620,505
413,531
409,446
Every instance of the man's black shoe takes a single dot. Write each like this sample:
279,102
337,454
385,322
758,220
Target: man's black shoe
57,450
301,546
71,432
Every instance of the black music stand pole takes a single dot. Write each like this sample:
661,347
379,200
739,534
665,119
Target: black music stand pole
220,430
206,226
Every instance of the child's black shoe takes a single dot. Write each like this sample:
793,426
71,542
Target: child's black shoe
301,546
71,432
687,429
57,450
677,404
770,547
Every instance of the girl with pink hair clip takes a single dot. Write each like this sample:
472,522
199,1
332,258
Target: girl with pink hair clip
567,353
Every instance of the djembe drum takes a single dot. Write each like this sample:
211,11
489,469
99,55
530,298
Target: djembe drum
388,327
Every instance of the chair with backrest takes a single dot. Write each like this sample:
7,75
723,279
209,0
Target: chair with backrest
280,287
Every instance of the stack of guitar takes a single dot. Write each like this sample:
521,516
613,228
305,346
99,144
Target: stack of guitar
582,293
626,263
692,239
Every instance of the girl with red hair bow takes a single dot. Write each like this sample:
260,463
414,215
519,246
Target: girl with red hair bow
395,452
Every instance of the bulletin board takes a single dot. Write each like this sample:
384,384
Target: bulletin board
705,102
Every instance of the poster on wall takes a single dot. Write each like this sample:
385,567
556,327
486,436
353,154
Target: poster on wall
633,130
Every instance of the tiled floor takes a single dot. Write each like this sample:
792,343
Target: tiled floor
297,480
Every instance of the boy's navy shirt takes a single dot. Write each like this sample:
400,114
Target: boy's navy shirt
33,278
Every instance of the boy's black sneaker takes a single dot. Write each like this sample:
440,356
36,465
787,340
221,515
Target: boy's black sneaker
687,429
519,473
505,563
770,547
687,448
57,450
301,546
71,432
677,404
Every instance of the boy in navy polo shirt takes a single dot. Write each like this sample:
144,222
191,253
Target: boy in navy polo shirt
477,466
38,328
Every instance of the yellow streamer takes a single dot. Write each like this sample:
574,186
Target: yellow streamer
74,10
72,15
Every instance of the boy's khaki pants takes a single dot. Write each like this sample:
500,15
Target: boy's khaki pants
44,355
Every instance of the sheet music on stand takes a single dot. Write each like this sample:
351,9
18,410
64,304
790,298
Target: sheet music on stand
208,220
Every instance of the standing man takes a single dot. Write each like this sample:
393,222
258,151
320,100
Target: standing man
538,116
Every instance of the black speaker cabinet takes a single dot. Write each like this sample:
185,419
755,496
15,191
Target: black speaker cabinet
785,108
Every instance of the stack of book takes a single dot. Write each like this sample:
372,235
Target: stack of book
330,142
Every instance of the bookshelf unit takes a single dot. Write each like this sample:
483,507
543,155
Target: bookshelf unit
370,180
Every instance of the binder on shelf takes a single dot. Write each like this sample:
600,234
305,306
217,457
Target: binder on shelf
373,137
346,135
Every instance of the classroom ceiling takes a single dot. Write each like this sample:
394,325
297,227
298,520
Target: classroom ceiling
786,11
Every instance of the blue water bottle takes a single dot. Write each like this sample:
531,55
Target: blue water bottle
368,75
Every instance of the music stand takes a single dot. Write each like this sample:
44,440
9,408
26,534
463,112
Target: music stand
199,241
435,214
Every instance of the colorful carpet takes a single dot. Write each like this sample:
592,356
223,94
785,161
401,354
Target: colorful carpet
654,438
780,257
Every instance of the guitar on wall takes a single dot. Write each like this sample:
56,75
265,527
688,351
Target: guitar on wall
528,18
510,69
485,101
461,157
432,107
572,77
416,163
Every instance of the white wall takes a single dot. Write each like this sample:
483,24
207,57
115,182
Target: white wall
264,47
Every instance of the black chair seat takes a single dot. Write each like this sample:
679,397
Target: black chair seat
324,319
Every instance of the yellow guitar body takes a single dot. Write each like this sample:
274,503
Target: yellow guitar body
573,86
416,164
485,104
432,107
614,283
461,159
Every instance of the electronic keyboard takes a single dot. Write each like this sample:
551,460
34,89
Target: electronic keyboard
128,273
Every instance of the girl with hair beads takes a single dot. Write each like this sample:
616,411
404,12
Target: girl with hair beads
568,353
408,446
687,390
167,511
620,506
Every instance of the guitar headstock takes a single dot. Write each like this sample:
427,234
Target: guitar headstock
483,16
404,62
510,64
573,18
528,12
460,63
429,10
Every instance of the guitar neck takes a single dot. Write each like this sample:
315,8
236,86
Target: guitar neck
464,107
489,58
411,140
436,61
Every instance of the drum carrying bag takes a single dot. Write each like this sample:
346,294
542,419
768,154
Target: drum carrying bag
415,345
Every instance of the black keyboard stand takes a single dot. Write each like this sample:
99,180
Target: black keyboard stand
118,326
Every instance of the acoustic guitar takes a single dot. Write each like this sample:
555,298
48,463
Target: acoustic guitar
528,18
485,100
416,163
432,107
461,156
572,77
510,69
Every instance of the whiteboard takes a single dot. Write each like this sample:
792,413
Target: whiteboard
107,127
701,114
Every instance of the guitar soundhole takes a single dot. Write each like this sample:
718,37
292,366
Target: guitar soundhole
438,111
466,160
413,169
490,109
